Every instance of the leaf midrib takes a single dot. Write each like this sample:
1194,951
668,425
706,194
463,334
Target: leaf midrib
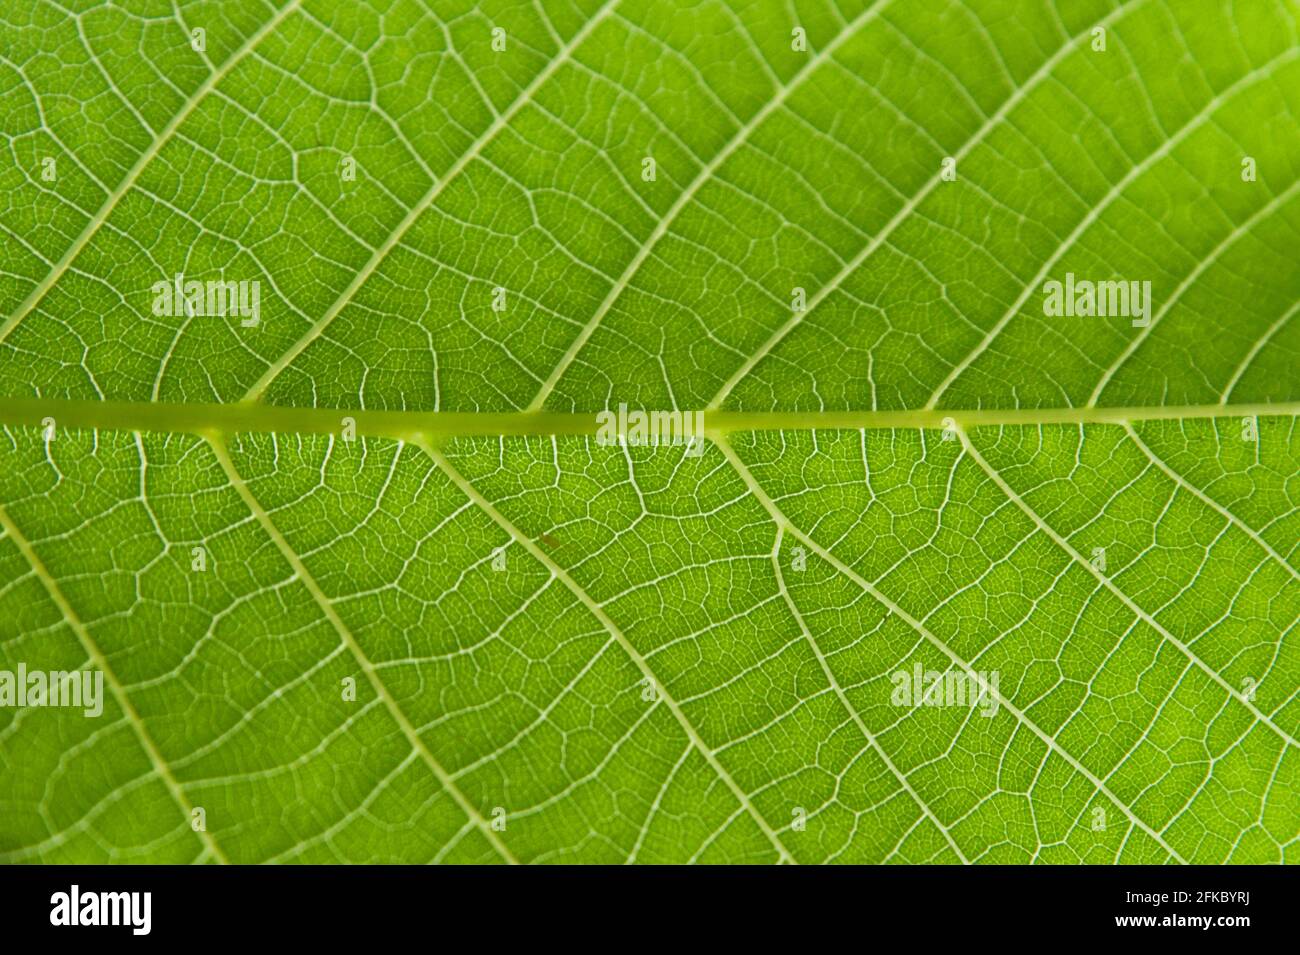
196,418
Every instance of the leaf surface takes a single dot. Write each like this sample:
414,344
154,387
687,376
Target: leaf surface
475,632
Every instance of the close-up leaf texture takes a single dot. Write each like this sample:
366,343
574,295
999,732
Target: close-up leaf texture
363,583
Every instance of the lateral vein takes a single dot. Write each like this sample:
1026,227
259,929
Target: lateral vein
426,201
854,715
598,611
779,517
100,662
133,174
345,634
1106,582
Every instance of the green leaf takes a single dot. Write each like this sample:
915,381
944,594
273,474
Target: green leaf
362,577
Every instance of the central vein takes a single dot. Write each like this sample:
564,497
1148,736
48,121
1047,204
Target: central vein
406,425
